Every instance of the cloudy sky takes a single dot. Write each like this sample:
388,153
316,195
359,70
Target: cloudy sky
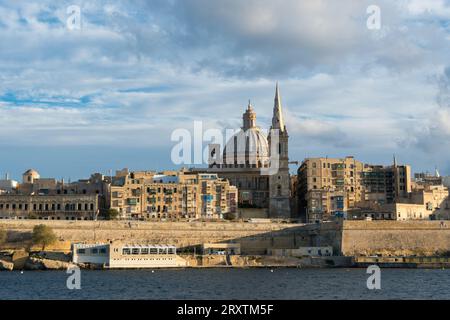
109,95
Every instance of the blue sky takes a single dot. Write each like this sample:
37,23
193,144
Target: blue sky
109,95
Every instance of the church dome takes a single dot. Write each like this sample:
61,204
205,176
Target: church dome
30,175
31,172
248,149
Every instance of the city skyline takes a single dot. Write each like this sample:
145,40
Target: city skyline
108,95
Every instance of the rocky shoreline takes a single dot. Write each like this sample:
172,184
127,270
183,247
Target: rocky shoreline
45,260
22,260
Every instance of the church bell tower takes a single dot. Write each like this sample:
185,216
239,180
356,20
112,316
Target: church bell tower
279,182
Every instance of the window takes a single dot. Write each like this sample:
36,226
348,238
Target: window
103,250
81,251
94,251
126,251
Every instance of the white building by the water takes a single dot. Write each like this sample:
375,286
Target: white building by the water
119,255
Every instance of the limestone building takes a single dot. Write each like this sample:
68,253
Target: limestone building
8,185
172,195
333,186
50,199
424,179
49,207
257,164
430,203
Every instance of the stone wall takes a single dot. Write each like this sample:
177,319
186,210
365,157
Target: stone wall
396,238
254,238
349,237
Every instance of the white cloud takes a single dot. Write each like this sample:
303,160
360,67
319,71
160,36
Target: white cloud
440,8
138,70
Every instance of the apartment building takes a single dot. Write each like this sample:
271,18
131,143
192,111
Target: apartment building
329,187
172,194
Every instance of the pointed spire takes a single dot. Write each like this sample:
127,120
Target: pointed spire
277,120
395,161
436,172
249,107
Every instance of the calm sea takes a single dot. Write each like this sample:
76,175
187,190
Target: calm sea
228,284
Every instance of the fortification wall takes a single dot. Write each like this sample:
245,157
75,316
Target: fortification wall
396,238
254,238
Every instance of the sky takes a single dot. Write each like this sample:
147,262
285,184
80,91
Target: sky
110,93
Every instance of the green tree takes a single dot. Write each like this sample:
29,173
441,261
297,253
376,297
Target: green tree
112,214
109,214
3,236
43,235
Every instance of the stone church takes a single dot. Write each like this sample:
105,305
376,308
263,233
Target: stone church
257,164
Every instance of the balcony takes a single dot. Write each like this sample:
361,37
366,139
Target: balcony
132,202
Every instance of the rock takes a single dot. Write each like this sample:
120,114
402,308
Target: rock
59,256
7,252
6,255
56,265
46,264
19,258
5,265
34,264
